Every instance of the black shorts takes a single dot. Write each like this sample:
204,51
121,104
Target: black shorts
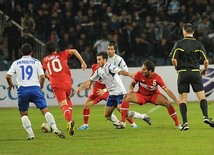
187,78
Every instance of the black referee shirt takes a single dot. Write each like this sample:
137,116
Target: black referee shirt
189,53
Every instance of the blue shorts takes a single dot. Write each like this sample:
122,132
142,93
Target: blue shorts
30,94
114,100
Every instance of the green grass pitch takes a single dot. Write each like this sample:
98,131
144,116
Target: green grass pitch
161,138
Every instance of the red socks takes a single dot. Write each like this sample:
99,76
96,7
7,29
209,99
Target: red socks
86,113
124,111
69,106
173,114
130,120
67,113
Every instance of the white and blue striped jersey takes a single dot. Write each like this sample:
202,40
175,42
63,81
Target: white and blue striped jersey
28,70
109,74
118,61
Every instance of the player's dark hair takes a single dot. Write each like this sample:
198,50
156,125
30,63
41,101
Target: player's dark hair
26,49
103,54
149,65
188,27
112,44
50,47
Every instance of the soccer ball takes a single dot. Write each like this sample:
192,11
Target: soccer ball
46,128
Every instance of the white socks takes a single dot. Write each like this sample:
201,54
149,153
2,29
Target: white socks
27,125
135,114
50,119
112,118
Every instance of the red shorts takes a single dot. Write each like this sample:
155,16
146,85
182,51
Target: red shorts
61,93
97,98
143,99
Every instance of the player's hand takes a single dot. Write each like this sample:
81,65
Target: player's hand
100,92
42,90
10,87
83,66
204,72
131,91
177,102
88,87
78,90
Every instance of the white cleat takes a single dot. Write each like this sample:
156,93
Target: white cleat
178,126
30,137
117,125
123,125
59,133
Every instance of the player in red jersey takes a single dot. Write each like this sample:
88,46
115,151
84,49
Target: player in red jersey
58,72
148,82
98,94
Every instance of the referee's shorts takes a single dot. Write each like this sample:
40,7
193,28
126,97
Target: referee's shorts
187,77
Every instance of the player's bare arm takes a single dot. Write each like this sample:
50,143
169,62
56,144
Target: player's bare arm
79,57
46,74
132,85
42,80
101,91
86,85
9,81
124,73
174,62
171,95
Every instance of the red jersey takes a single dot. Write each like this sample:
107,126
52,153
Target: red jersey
57,68
97,84
149,86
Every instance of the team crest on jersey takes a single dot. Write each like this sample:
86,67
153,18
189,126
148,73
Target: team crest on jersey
150,88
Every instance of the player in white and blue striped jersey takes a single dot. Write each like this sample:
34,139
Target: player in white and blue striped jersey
115,59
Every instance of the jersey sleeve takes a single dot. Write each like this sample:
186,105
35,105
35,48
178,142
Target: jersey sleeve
203,53
94,67
40,70
114,69
12,69
66,53
122,65
173,51
95,76
136,76
160,82
44,64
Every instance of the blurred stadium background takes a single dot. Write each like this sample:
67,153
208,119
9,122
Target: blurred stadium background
142,29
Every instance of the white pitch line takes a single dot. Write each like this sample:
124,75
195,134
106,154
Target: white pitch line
154,109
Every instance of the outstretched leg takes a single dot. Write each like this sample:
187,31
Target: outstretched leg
162,100
137,115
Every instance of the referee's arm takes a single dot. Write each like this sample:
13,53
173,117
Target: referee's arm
206,63
174,63
172,56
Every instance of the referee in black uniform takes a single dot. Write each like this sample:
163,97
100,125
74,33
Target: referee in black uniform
186,55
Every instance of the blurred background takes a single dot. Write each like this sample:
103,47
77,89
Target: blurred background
141,29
